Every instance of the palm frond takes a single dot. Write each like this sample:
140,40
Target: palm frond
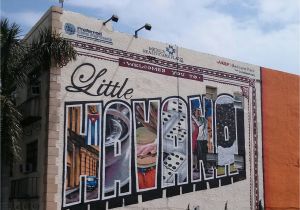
18,60
12,53
51,47
11,130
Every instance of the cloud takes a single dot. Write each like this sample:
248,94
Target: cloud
262,32
26,18
100,4
279,11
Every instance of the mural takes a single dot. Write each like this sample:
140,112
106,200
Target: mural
117,152
175,142
226,134
203,157
151,144
82,152
123,148
146,144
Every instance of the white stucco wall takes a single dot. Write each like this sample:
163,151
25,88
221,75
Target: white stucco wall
152,85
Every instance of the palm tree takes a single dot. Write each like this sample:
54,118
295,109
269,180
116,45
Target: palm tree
18,59
12,52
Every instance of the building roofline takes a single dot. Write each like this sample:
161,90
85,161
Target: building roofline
46,15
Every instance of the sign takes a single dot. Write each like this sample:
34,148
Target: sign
170,52
85,33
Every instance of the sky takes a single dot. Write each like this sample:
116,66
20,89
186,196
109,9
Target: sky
260,32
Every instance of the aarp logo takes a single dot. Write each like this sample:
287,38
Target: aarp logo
70,28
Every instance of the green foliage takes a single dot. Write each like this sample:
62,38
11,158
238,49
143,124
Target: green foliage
18,60
12,54
11,130
50,48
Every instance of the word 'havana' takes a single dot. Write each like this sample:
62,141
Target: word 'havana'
148,145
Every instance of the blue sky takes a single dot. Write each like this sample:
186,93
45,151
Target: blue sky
261,32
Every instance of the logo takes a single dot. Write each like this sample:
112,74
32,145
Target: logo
169,52
238,68
93,35
170,49
224,63
85,33
70,28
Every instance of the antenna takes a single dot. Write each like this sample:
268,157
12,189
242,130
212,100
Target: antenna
62,3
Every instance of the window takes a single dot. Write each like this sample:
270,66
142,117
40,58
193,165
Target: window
35,89
238,100
34,84
211,93
31,156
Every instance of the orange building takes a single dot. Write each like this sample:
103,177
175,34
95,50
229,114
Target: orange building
280,114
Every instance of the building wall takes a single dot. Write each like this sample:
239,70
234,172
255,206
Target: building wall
51,197
280,99
113,119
